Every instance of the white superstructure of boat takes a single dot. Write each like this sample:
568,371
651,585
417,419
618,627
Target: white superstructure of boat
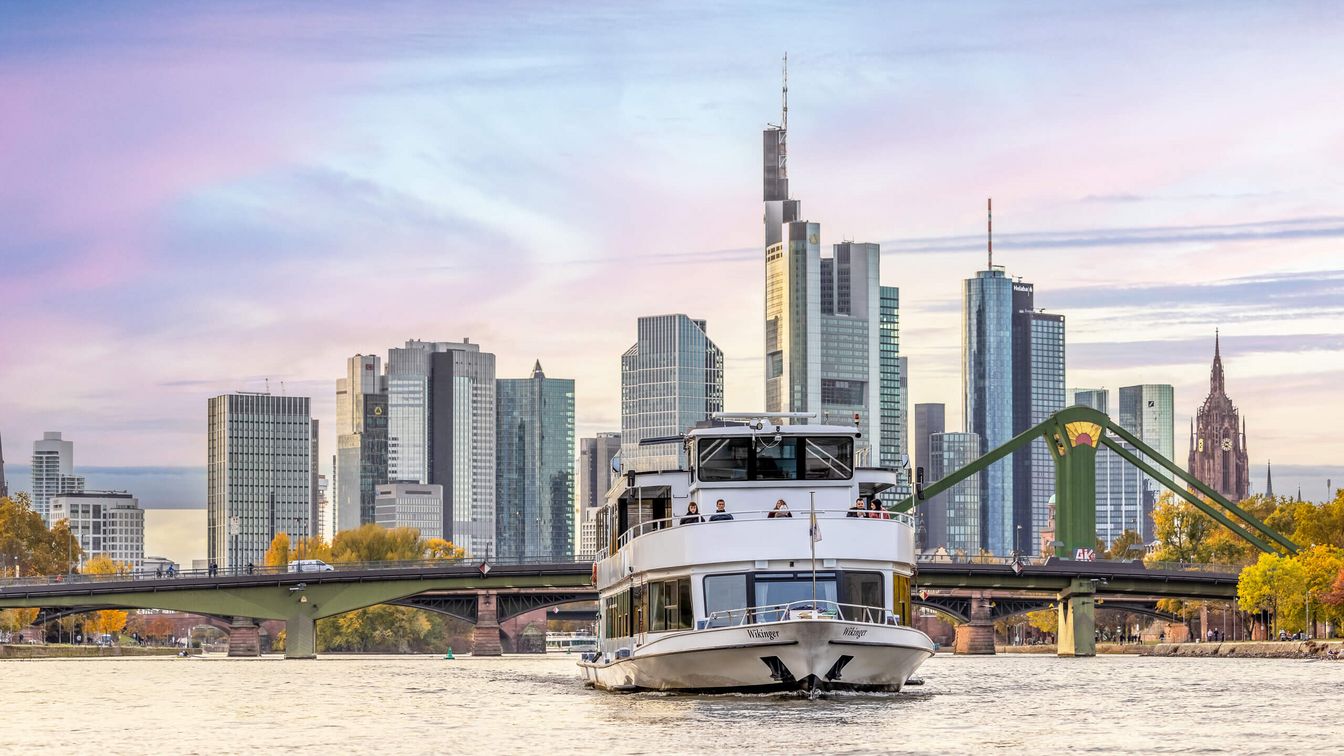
818,600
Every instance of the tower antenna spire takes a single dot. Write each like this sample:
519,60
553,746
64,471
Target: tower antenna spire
785,116
990,222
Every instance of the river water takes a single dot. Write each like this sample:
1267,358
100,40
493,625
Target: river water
339,705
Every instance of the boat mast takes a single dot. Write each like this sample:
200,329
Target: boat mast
812,541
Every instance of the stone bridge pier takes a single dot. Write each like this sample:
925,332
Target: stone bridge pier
976,636
485,640
244,637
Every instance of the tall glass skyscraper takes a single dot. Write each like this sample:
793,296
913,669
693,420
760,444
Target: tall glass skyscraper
671,379
408,410
534,486
987,394
1120,499
361,440
953,518
829,325
1148,411
1038,392
258,473
929,419
461,450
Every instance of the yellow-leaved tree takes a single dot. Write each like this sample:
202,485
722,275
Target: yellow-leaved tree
278,554
1046,620
107,621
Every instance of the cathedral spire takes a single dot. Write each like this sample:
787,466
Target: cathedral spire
1216,386
1269,479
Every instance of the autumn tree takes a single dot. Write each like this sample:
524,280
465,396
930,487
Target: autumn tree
15,620
1180,530
39,550
278,553
1045,620
1127,545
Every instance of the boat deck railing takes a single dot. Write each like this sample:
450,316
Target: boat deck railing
706,520
795,610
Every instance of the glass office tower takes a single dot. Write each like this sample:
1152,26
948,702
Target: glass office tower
953,517
534,478
671,379
361,440
1046,397
1119,485
1148,411
987,393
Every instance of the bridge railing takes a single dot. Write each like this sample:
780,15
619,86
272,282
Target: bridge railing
262,570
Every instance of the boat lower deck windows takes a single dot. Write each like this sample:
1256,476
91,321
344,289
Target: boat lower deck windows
670,605
726,597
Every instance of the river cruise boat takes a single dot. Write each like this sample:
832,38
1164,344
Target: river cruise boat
811,595
568,643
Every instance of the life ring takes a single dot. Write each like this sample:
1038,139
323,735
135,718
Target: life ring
594,573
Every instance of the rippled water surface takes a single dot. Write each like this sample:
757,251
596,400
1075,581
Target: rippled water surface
339,705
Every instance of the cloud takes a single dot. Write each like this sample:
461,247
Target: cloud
1331,227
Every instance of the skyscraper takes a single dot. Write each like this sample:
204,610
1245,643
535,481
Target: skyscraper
953,517
258,476
597,456
461,448
534,485
53,472
408,410
893,384
595,471
929,419
671,379
1120,499
361,440
987,394
1217,446
1148,411
826,319
1038,392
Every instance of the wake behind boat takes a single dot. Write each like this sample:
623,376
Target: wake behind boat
753,594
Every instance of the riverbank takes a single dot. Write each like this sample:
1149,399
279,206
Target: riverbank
1050,649
1252,649
61,651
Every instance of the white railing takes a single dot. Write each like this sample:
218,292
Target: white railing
754,515
796,610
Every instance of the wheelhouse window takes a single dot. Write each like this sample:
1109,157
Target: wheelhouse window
775,591
742,458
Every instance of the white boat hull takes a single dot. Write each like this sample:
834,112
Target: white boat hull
805,654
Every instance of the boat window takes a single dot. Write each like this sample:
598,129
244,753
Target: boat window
863,589
670,605
828,458
744,458
724,458
774,589
620,621
776,461
725,593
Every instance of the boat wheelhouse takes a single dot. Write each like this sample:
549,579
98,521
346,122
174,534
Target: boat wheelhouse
777,583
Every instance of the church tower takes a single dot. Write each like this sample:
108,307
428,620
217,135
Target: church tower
1218,439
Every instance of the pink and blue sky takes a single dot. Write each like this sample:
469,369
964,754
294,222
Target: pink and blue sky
197,197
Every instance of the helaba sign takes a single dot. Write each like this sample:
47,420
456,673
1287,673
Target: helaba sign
1025,288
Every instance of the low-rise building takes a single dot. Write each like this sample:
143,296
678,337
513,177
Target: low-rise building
410,505
110,523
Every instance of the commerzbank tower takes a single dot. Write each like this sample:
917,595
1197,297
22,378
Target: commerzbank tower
832,345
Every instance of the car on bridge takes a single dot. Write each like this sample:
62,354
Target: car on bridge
310,565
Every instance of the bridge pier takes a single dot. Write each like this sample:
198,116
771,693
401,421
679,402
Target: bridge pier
244,637
976,636
1078,619
300,636
485,640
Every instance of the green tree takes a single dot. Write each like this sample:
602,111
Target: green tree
1181,531
1275,583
